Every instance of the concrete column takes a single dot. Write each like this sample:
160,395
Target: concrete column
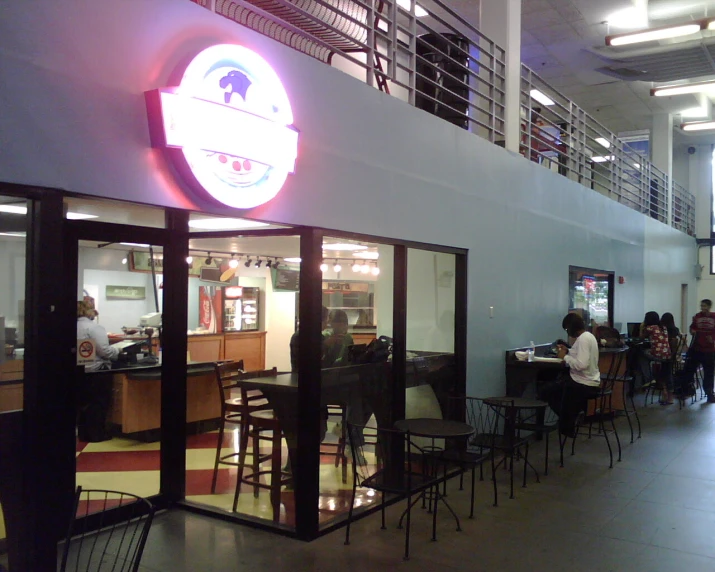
661,152
500,21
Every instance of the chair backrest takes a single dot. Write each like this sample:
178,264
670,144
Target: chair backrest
227,374
486,420
614,369
679,348
247,394
393,453
112,533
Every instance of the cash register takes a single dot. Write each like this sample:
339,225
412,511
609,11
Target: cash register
128,352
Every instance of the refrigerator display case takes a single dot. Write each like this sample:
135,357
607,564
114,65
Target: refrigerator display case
240,308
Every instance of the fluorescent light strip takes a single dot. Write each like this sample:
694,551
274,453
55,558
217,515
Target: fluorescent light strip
135,244
700,87
293,259
367,255
225,223
343,246
406,5
17,209
602,159
701,126
15,234
694,112
603,142
652,35
541,97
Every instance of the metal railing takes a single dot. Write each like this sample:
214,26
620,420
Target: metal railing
444,65
447,68
558,134
683,210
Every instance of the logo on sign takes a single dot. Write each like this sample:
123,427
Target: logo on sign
228,126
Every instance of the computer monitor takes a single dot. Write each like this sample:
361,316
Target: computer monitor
634,330
123,345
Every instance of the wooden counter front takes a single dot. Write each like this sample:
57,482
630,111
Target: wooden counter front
248,346
136,400
11,394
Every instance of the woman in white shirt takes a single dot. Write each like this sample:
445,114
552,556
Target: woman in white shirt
584,377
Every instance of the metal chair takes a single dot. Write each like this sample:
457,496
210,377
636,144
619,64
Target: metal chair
111,534
494,424
602,411
390,468
530,420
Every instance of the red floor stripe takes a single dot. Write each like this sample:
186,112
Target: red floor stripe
121,461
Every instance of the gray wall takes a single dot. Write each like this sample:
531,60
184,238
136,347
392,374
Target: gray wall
73,74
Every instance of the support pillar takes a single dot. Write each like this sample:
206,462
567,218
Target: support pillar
661,154
500,21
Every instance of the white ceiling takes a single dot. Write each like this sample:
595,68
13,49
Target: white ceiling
558,41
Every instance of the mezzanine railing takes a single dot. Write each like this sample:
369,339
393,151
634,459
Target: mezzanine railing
428,55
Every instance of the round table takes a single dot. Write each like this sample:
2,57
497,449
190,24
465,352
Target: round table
435,428
516,402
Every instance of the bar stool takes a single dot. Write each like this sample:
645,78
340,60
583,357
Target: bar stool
337,450
260,423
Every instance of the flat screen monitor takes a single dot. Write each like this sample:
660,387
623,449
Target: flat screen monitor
634,329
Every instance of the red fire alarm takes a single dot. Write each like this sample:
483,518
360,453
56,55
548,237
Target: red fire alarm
621,279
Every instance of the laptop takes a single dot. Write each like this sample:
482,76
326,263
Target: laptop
634,330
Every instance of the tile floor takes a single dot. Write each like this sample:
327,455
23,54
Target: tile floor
655,511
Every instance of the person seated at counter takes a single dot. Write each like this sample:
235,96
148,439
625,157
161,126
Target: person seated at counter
95,391
567,397
294,339
335,345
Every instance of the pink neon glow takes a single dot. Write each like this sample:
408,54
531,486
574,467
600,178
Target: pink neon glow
239,143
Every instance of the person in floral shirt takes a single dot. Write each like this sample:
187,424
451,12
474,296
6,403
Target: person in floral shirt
659,352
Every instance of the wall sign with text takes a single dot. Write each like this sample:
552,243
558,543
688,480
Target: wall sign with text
227,126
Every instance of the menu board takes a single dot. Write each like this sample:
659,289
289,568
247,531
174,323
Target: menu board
286,280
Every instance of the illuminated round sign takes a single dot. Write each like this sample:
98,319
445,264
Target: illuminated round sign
228,126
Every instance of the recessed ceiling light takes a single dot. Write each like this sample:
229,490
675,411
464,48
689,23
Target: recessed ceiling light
542,98
22,210
699,87
225,223
652,35
603,142
294,259
632,17
80,216
701,126
343,246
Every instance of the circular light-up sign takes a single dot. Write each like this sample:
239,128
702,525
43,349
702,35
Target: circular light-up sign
227,126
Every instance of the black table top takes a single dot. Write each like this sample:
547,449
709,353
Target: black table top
516,402
437,428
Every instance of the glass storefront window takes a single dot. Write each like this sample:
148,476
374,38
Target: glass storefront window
242,306
591,296
13,223
356,366
117,212
430,364
119,395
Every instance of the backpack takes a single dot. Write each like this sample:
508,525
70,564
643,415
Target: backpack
378,350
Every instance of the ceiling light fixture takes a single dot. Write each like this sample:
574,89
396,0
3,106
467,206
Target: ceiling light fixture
375,270
189,260
337,267
694,112
699,87
269,263
365,269
80,216
368,255
357,267
633,17
134,244
542,98
293,259
225,223
125,259
248,262
258,263
602,159
603,142
22,210
699,126
323,267
209,259
406,5
343,246
233,263
654,34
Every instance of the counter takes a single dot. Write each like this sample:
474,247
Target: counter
12,372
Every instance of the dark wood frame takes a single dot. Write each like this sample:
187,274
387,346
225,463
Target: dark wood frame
611,287
49,416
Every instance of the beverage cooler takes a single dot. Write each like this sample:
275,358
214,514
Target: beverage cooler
240,308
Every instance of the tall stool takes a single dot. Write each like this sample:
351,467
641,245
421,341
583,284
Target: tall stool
262,422
337,450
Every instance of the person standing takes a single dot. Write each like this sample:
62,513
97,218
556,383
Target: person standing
659,355
702,349
95,390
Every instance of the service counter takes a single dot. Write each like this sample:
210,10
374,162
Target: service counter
12,373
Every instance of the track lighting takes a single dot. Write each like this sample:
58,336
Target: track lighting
269,263
248,263
189,260
375,270
258,263
209,260
233,263
357,267
365,269
323,267
337,267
